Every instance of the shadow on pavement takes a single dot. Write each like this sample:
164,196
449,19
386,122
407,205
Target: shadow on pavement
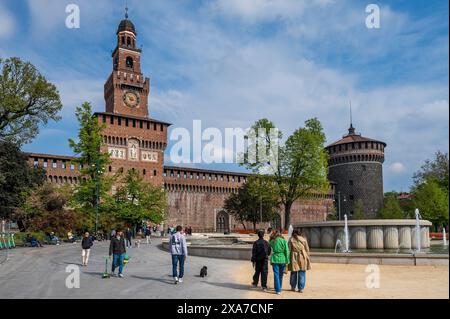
229,285
154,279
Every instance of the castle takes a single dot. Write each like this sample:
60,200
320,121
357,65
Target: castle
196,196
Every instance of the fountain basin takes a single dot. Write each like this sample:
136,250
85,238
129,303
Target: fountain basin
368,234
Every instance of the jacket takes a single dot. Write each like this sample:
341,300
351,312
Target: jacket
261,250
86,242
117,246
280,251
299,257
178,245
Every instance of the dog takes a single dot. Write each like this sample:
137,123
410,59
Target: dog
204,272
137,243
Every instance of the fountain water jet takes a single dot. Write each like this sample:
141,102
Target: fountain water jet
444,236
347,240
338,242
417,229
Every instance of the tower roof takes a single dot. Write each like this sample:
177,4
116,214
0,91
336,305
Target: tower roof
126,25
352,136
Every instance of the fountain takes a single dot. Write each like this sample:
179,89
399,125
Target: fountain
290,230
444,236
347,240
338,242
417,229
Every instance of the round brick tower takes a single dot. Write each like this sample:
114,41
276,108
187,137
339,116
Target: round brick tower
355,164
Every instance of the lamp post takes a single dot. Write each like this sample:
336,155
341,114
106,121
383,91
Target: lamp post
97,193
339,205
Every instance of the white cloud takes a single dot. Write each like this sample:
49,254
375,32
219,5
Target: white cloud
397,168
7,24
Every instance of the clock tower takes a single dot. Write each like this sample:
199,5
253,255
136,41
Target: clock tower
127,90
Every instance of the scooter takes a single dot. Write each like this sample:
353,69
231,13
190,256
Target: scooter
106,275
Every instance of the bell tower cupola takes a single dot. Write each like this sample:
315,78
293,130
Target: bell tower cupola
127,90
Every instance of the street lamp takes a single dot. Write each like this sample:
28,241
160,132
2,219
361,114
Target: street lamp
97,193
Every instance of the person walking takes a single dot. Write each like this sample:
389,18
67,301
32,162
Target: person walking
147,235
260,258
299,261
117,250
86,244
129,236
178,249
279,259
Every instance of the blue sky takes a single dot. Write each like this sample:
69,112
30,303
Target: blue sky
231,62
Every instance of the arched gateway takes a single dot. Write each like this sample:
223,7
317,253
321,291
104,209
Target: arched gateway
222,222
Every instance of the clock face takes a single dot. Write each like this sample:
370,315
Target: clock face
131,99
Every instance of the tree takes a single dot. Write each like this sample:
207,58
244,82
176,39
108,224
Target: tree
437,169
94,183
432,202
27,100
17,178
256,201
358,210
391,208
46,210
297,168
137,200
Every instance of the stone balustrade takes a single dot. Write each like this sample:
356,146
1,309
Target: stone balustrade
367,234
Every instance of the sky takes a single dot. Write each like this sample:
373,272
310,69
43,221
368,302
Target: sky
229,63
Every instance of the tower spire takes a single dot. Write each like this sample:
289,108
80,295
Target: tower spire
126,9
351,129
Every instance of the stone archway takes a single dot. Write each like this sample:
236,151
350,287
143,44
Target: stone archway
222,222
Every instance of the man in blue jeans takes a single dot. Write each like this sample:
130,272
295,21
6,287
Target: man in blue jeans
178,249
117,250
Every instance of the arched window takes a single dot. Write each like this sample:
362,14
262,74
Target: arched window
129,62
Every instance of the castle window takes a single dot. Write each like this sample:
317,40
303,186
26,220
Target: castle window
161,128
148,125
351,197
154,172
104,118
144,171
366,146
119,121
123,40
111,120
154,126
45,163
126,122
63,165
140,124
129,62
350,182
128,41
36,162
109,168
72,166
353,146
134,123
54,164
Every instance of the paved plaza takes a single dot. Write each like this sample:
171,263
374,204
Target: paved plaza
40,273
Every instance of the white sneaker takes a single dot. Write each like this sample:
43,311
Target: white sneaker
180,280
176,280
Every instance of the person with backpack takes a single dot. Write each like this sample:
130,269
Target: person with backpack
178,250
86,244
117,250
260,258
279,259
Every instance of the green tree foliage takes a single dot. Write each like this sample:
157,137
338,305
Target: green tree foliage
137,200
46,210
436,169
17,178
256,201
298,167
432,202
92,163
27,100
358,210
391,208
